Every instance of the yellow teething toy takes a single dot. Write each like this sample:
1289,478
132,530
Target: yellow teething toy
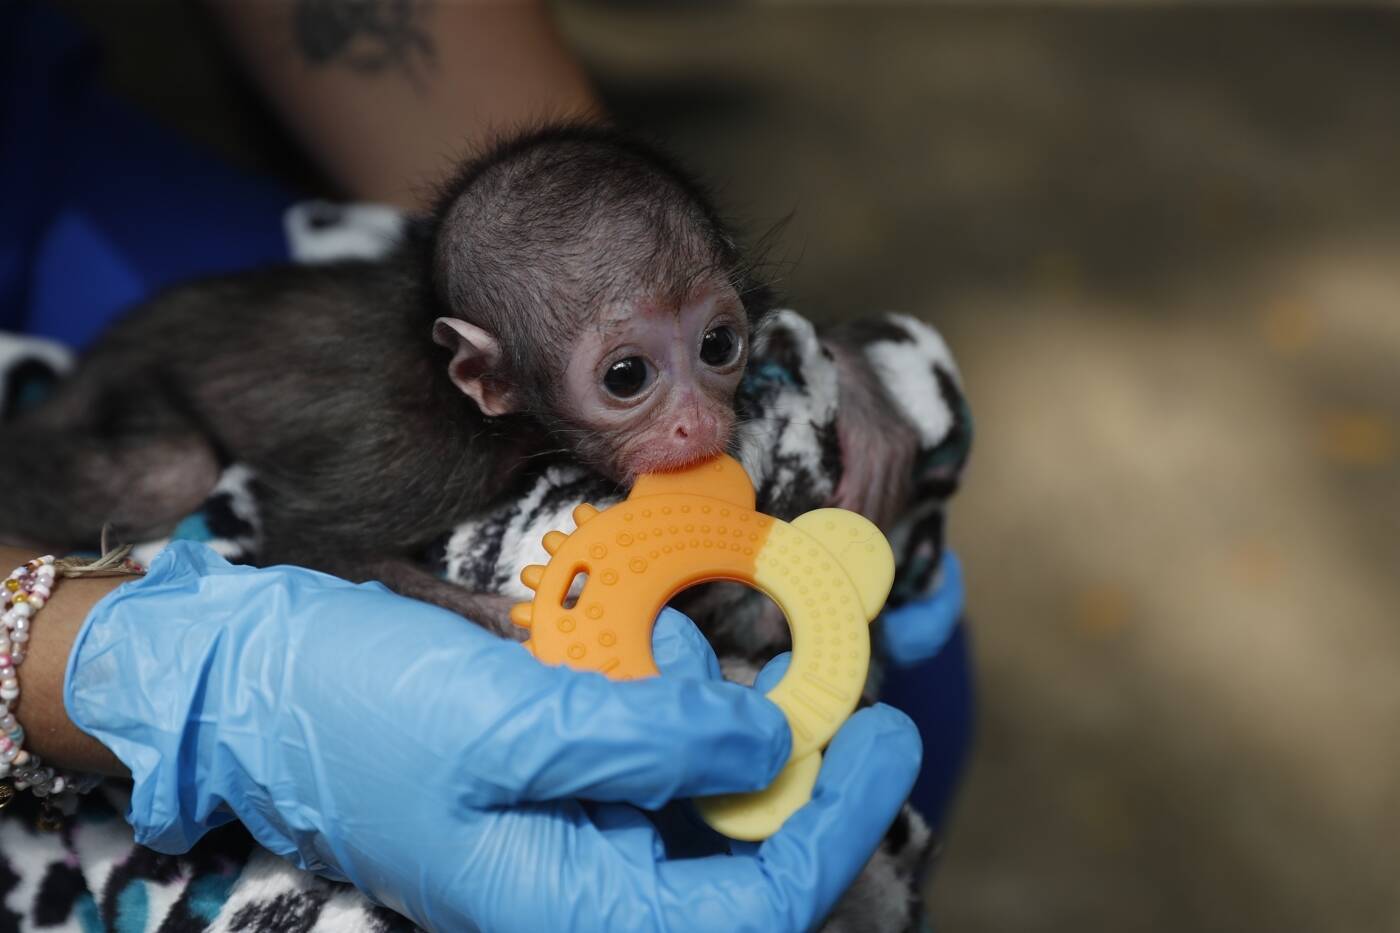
829,571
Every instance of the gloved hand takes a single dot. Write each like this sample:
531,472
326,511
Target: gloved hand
916,631
442,770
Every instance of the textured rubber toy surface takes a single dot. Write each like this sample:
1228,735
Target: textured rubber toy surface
829,571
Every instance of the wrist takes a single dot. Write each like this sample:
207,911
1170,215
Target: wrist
51,732
37,613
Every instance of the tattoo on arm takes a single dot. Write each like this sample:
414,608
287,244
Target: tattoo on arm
367,36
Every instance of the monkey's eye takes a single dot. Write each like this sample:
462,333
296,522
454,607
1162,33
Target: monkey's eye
719,346
626,377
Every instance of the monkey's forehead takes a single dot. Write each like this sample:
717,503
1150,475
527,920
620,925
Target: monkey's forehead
616,312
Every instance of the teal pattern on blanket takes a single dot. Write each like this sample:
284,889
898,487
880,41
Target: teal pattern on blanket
206,895
133,908
767,373
89,918
193,528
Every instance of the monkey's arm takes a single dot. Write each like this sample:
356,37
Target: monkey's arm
878,444
902,417
385,95
489,610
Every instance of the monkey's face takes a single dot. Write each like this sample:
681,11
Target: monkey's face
651,386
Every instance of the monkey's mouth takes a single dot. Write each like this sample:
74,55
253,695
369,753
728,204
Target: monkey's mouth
668,461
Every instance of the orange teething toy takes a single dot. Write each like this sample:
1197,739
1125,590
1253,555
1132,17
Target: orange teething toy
829,571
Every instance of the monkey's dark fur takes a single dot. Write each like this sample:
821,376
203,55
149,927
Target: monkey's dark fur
326,380
533,265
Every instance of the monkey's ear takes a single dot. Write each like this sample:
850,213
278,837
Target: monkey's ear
476,357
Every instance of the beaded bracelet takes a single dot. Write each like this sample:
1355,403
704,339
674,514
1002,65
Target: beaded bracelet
25,591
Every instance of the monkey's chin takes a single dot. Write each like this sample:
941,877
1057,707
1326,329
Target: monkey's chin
660,462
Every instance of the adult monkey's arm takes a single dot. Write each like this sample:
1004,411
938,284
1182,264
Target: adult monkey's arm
47,728
387,94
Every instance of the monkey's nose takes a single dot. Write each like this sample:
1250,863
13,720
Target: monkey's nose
695,432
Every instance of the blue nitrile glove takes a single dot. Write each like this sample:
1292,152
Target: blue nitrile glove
916,631
373,738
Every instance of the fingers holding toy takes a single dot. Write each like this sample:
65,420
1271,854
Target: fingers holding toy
643,742
773,672
794,877
790,882
680,650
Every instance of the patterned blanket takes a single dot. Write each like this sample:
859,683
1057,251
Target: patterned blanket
91,876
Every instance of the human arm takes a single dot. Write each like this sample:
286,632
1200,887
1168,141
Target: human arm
385,96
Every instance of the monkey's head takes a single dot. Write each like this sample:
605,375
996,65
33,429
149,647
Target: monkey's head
589,284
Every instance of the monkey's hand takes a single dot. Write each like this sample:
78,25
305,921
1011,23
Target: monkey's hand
879,446
443,770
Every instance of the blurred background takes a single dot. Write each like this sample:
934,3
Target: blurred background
1164,244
